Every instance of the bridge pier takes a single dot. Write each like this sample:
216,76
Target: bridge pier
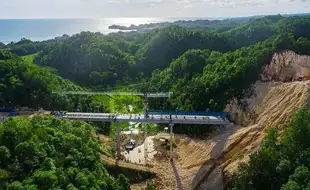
118,143
222,129
171,143
145,143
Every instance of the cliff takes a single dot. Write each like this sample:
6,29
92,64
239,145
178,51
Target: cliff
287,66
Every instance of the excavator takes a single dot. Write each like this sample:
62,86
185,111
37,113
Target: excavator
130,145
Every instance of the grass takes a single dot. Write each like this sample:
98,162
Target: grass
29,58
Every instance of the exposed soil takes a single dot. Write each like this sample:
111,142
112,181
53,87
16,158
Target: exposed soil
204,163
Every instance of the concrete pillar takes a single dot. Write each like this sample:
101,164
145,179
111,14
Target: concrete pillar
171,133
118,143
145,143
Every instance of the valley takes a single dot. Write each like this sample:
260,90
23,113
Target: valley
237,99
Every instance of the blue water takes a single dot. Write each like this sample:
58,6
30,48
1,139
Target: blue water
43,29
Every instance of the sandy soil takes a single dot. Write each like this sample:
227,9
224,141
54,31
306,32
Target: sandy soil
202,164
137,154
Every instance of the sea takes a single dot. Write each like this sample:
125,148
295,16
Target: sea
12,30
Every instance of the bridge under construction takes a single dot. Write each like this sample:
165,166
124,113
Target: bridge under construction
159,117
152,118
208,118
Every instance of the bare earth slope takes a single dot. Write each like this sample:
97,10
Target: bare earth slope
202,164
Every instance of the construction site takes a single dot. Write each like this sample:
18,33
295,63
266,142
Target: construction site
174,161
207,163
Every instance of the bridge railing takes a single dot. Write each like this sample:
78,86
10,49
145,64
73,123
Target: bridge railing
201,113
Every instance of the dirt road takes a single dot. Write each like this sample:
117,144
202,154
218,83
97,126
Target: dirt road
137,154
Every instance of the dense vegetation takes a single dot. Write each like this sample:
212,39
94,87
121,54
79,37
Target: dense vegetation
87,58
280,164
94,59
203,79
25,84
24,47
197,25
47,153
203,68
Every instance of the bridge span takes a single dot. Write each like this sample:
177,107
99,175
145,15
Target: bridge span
152,118
219,119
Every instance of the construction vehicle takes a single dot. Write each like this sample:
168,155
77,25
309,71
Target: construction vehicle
130,145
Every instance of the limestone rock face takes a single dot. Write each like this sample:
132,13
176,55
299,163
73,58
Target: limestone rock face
287,66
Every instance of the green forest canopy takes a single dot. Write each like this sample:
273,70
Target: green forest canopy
204,69
94,59
48,153
212,66
26,84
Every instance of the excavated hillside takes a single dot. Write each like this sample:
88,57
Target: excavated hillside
203,164
287,66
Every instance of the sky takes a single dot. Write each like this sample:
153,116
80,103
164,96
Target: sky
147,8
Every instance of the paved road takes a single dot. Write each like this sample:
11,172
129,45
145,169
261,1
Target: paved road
3,116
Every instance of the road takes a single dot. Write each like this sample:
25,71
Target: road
137,154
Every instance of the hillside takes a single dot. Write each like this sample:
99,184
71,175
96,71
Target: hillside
25,84
95,59
208,163
258,71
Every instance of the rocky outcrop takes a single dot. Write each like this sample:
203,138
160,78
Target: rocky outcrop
287,66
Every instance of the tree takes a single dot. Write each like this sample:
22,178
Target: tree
280,164
52,154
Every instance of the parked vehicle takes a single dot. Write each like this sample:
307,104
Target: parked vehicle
13,113
10,111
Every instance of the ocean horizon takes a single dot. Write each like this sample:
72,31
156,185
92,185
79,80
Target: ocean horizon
12,30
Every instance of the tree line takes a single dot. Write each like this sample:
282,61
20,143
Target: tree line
95,59
203,79
22,83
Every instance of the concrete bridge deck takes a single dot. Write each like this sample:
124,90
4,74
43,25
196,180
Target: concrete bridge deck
153,118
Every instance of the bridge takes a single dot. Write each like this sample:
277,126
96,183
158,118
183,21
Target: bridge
160,117
150,95
193,113
152,118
